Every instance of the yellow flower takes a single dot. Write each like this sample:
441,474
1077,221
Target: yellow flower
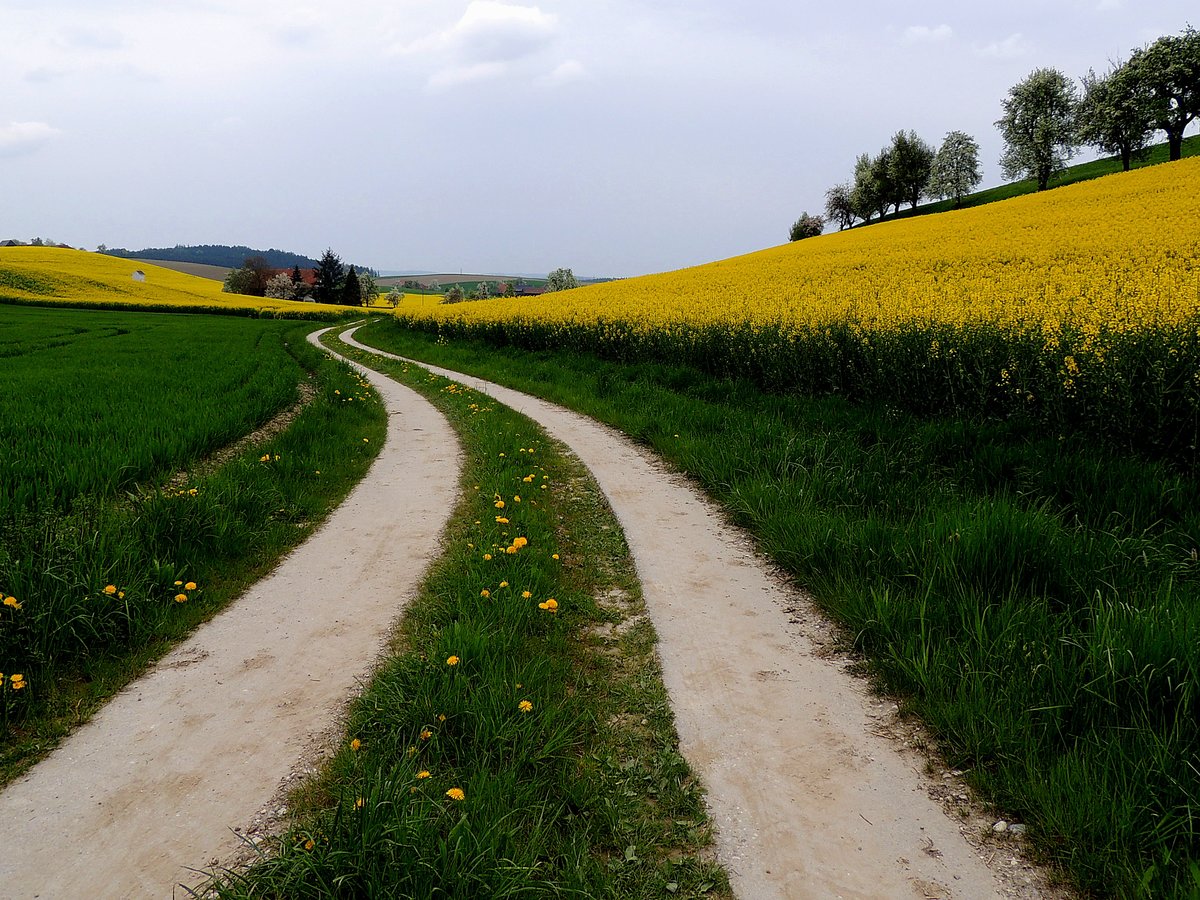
504,584
266,457
520,542
424,773
502,520
510,550
309,844
120,595
452,660
554,556
550,605
110,589
526,594
190,586
355,745
525,706
485,593
456,794
181,598
358,804
441,717
177,584
499,504
12,601
528,479
426,734
487,556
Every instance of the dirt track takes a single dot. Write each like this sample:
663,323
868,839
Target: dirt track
156,782
810,795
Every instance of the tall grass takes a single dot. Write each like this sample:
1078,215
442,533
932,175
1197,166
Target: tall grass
1034,596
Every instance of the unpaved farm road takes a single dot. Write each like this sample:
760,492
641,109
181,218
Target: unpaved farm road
153,786
809,799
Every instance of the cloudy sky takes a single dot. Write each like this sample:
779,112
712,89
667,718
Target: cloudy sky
610,136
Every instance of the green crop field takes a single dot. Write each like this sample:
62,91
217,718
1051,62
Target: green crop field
115,536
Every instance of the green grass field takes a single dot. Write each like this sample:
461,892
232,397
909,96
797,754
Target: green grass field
1035,599
97,542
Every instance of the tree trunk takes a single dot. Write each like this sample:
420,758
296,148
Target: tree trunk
1175,143
1126,158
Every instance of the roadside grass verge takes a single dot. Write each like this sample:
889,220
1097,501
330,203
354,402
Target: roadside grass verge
1034,598
518,741
105,576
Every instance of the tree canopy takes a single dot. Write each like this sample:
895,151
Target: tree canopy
955,170
561,280
1169,70
1116,112
1038,126
329,273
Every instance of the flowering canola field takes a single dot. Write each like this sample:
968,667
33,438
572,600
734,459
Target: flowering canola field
1079,306
77,278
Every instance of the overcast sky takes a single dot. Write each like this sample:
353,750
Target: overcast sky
612,137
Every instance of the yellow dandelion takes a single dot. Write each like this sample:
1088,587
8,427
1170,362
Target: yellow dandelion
501,520
525,706
12,601
426,734
355,745
504,584
487,556
177,584
190,586
485,593
359,803
452,660
441,717
456,794
516,498
520,542
309,844
110,589
526,594
510,550
499,504
424,773
181,598
554,556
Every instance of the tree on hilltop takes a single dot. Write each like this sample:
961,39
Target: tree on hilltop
329,273
839,206
805,227
1038,126
955,171
909,161
1170,70
1116,112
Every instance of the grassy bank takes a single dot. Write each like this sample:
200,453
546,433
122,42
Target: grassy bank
1033,597
115,538
518,741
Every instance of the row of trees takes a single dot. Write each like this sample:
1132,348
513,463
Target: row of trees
332,282
1046,119
559,280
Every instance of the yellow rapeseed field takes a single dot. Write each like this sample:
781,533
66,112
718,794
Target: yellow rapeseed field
1116,252
76,277
1078,307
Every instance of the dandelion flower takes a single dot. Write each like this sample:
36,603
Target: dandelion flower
504,584
501,520
554,556
190,586
181,598
358,804
177,584
441,717
12,601
510,549
485,593
355,745
456,794
426,734
525,706
499,504
452,660
487,556
120,596
520,542
516,498
110,589
424,773
309,844
526,595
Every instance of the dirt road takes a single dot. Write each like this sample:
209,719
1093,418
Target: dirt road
810,798
155,783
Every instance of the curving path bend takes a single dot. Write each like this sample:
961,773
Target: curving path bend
808,798
150,789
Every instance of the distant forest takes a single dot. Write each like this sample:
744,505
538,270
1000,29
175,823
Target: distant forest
221,255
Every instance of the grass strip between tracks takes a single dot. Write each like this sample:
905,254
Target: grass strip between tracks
518,741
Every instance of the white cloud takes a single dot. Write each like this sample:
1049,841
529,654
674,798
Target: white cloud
924,34
23,138
1011,47
566,72
484,43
